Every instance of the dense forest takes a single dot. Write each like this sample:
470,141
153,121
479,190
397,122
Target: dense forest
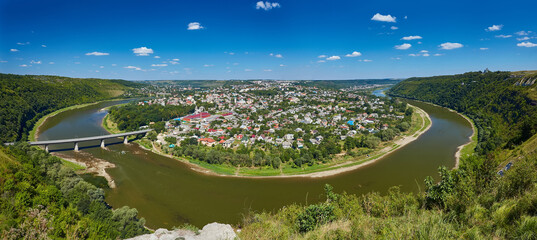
43,199
26,98
503,111
131,117
471,202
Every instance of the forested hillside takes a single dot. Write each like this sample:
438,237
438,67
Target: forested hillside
26,98
471,202
502,108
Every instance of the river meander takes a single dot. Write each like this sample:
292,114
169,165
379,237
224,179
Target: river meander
168,193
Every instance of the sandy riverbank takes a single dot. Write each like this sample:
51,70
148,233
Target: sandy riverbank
459,149
93,165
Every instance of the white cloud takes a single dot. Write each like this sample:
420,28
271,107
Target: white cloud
175,59
101,66
142,51
523,38
523,33
133,67
321,61
267,70
527,44
23,65
322,56
248,70
14,50
383,18
113,64
35,62
413,55
97,54
333,58
438,54
494,28
159,65
396,58
266,5
281,65
367,60
43,45
51,63
503,36
424,51
483,48
208,65
26,43
449,45
195,26
403,46
156,56
411,38
354,54
276,55
394,28
426,55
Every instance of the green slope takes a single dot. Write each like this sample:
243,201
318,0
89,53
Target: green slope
26,98
471,202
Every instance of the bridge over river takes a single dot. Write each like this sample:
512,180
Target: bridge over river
46,143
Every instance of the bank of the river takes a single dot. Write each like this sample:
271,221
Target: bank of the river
35,130
97,167
466,149
421,122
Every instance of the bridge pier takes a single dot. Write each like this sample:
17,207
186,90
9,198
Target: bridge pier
125,140
102,143
76,146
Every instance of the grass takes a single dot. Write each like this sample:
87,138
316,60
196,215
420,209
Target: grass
216,168
109,125
72,165
468,149
145,143
6,160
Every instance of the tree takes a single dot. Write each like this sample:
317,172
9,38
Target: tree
152,135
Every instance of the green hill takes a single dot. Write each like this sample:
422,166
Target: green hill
471,202
26,98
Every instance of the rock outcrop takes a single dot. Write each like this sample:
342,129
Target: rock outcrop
211,231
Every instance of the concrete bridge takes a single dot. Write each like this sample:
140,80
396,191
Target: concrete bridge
85,139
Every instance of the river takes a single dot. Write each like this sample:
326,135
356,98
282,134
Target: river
168,193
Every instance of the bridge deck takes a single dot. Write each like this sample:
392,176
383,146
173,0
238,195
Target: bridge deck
84,139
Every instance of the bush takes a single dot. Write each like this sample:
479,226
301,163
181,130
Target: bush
315,215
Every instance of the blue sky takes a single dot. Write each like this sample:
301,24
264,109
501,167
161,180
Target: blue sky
276,39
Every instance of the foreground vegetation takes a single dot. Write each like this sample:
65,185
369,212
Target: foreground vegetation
471,202
41,198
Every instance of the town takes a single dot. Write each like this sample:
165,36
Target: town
278,120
